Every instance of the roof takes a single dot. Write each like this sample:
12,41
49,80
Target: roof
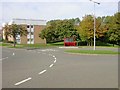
29,21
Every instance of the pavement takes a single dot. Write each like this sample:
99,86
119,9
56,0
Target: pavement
53,68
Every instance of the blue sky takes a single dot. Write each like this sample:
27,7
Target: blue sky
54,9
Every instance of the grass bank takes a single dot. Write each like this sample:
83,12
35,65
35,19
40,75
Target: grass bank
92,51
56,44
10,45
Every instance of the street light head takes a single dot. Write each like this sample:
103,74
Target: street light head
95,2
98,3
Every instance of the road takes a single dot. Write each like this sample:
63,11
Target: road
53,68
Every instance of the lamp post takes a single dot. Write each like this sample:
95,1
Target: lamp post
94,21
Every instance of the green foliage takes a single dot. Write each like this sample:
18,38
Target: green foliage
14,30
57,30
86,29
92,51
6,31
114,28
107,29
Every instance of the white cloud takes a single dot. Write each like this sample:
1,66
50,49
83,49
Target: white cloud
54,10
57,0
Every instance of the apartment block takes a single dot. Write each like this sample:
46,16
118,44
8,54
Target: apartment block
34,27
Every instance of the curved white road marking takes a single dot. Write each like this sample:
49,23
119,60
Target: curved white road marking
23,81
42,71
55,61
13,54
53,56
38,73
51,65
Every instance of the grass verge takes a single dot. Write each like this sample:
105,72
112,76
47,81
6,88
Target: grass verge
10,45
29,46
92,51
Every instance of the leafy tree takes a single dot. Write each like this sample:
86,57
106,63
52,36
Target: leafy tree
57,30
114,29
6,30
101,29
86,29
15,30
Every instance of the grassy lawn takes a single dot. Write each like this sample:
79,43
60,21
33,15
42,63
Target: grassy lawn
10,45
92,51
56,44
29,46
4,44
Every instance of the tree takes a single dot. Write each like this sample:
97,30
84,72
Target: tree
57,30
86,29
15,30
6,30
114,28
101,29
114,31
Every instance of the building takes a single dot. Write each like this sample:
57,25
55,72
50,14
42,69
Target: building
34,27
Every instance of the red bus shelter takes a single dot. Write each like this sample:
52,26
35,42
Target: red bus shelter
69,42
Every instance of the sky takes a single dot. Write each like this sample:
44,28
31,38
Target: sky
54,9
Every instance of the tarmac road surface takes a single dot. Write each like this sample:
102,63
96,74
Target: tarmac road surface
52,68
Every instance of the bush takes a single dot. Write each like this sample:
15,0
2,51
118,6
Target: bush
5,41
82,43
99,43
1,39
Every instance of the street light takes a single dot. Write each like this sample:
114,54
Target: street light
94,20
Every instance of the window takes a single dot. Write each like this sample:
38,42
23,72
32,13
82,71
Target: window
31,26
27,26
32,33
30,40
18,41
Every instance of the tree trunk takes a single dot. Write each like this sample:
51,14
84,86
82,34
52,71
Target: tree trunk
91,42
6,38
113,44
14,41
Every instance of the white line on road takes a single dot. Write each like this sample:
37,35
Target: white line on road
13,54
51,65
42,71
53,56
55,61
23,81
3,58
